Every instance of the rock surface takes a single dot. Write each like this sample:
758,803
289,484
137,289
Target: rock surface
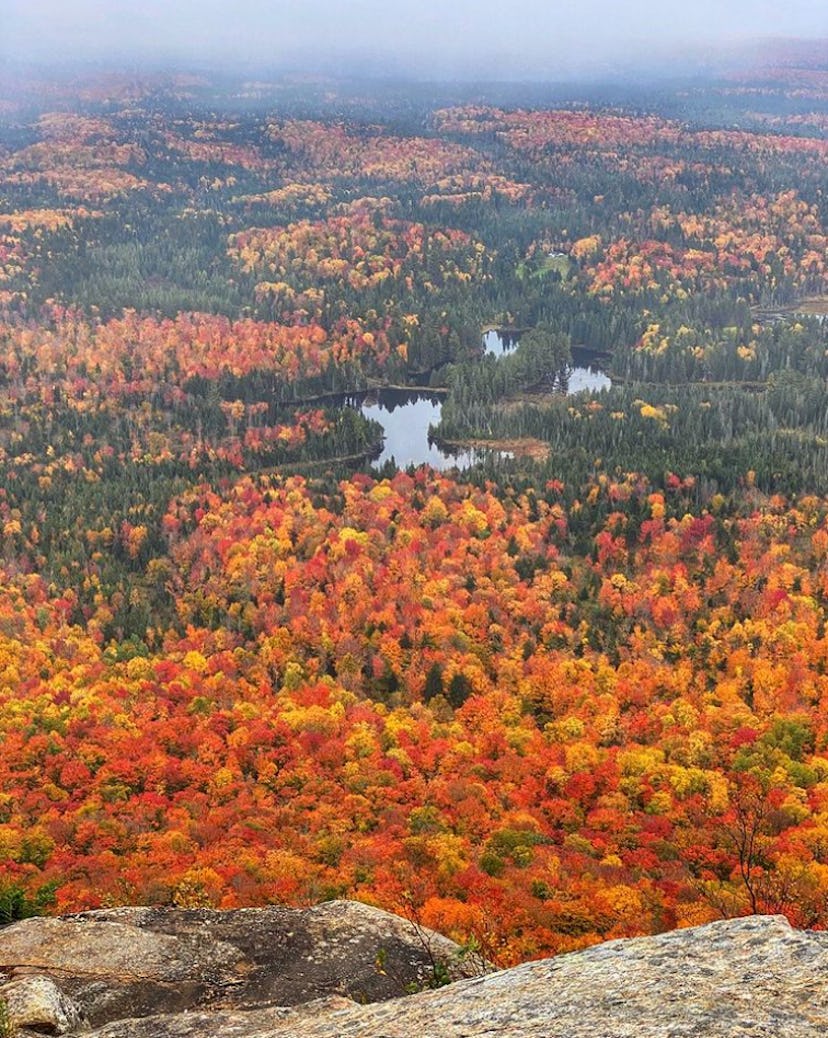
113,970
132,962
39,1004
747,977
743,977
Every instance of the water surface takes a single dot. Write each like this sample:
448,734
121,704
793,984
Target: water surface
586,372
405,416
405,419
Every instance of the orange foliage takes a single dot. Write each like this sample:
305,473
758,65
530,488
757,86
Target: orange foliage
400,692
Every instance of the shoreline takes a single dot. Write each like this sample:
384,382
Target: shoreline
519,447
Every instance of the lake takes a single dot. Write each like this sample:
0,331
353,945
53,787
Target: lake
406,417
585,373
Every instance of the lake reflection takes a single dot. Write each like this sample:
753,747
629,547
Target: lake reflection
405,419
585,373
498,342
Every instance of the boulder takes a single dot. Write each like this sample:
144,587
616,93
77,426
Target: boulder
113,970
297,955
85,947
134,962
39,1004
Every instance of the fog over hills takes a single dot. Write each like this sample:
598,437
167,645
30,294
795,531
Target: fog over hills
477,39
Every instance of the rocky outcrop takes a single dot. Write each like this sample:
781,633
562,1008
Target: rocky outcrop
133,962
744,977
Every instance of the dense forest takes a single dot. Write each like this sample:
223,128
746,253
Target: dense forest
570,690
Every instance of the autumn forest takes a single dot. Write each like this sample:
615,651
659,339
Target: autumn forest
570,685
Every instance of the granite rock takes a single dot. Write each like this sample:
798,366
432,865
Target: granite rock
136,962
279,973
38,1004
743,978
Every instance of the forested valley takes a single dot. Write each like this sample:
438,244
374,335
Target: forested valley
567,691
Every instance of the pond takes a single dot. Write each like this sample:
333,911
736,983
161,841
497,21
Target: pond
405,419
585,373
405,416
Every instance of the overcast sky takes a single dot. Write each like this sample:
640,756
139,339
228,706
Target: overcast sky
449,33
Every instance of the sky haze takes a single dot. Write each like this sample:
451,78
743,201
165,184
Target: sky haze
430,36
